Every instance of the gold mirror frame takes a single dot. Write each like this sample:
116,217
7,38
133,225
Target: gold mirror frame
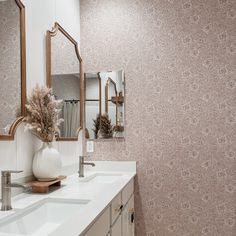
52,33
107,95
15,124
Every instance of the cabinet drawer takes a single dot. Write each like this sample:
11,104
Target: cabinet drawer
102,226
116,229
127,192
116,207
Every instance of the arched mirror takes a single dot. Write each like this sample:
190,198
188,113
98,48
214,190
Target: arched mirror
12,67
92,84
114,100
105,104
65,77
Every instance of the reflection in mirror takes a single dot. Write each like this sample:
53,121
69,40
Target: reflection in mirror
12,67
65,79
92,103
71,102
109,122
111,105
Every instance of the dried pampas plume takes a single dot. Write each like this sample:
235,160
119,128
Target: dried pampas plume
96,124
43,114
106,128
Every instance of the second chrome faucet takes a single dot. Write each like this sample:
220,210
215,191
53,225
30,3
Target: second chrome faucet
82,163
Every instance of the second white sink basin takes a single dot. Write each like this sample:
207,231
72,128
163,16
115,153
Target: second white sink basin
102,178
41,218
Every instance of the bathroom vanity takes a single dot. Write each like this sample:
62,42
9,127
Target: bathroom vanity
100,204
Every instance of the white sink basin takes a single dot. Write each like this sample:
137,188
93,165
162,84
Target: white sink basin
41,218
102,178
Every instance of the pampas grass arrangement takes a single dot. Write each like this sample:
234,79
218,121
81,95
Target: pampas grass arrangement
96,124
43,114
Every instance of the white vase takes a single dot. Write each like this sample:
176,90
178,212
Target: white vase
47,163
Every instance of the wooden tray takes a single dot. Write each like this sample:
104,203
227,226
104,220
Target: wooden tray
43,187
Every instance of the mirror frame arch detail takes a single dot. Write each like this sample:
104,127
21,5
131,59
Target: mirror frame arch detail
49,35
109,80
12,131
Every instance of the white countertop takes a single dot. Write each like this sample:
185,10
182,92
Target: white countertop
99,195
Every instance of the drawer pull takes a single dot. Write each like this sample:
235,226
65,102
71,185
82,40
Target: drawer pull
131,215
132,218
119,208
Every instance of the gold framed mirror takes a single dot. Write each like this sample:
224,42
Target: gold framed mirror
114,100
65,77
12,67
104,117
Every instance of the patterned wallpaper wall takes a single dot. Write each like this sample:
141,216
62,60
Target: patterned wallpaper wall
180,64
10,67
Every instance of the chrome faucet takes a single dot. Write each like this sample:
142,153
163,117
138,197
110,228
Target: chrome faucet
6,188
82,163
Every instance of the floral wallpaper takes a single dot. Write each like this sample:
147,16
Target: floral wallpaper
179,57
10,67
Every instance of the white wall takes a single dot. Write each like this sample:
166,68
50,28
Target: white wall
40,16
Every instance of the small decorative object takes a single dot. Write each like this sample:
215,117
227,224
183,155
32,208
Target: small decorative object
43,121
45,187
106,129
96,124
47,163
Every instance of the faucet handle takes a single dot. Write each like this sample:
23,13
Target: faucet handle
8,172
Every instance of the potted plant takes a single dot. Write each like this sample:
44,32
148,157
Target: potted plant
43,121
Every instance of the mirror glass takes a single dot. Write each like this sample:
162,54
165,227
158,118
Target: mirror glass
10,65
105,116
66,82
110,100
92,103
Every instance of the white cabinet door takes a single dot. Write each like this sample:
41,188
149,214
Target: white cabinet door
101,226
128,218
127,192
116,228
116,207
